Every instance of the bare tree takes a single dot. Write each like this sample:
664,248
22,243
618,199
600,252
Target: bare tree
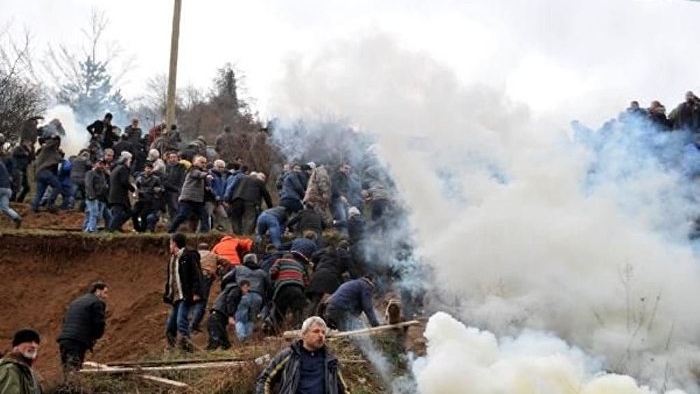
21,96
86,80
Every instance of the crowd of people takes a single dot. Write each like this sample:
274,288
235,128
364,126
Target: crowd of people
275,267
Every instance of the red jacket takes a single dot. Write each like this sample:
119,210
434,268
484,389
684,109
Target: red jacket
232,248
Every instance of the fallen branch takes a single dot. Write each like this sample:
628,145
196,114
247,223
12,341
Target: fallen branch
155,363
339,334
157,379
199,365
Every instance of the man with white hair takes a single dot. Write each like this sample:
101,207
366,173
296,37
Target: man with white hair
306,366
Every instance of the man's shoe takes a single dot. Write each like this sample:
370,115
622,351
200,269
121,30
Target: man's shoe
18,222
185,345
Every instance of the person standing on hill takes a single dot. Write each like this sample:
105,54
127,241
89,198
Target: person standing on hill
183,288
83,324
16,373
5,193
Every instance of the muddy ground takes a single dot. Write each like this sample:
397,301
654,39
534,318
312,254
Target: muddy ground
49,262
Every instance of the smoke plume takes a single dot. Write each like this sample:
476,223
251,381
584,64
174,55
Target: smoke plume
581,234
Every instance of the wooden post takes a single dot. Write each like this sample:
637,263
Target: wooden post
172,73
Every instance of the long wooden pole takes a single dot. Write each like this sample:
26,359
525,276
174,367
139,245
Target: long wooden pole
157,379
339,334
172,73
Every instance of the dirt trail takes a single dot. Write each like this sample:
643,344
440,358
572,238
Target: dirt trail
44,272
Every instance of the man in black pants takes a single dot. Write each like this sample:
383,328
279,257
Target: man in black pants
222,313
83,325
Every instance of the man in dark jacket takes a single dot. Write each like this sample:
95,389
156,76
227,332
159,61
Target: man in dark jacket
83,325
273,220
251,303
192,196
22,156
96,190
294,188
119,189
182,290
246,200
47,160
306,366
148,189
347,304
330,264
98,127
223,311
5,194
308,219
175,172
79,167
16,373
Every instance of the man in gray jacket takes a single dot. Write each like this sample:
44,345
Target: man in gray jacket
192,196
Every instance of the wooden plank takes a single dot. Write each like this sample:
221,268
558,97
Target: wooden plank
157,379
339,334
155,363
117,370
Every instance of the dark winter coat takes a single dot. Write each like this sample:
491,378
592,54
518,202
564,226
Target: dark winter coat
307,219
174,177
148,188
96,185
21,157
228,300
49,155
96,128
355,297
193,188
79,167
294,185
253,190
4,177
258,278
119,186
218,184
329,265
231,183
84,322
189,276
283,373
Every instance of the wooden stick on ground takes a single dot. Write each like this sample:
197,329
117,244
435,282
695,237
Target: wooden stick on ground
117,370
157,379
338,334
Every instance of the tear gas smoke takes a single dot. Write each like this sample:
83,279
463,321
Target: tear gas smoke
584,237
76,137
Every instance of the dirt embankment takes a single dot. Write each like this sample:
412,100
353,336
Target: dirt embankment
43,272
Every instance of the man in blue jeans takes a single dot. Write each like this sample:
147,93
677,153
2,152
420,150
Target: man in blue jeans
96,189
47,160
273,220
182,290
5,193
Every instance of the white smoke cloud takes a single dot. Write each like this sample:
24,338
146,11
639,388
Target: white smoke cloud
76,137
466,360
531,227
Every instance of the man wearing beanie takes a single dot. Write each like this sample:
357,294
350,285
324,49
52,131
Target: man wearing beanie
16,373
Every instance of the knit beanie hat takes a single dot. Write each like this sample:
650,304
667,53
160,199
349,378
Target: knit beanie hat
25,335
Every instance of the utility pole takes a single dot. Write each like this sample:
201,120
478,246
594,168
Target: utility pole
172,74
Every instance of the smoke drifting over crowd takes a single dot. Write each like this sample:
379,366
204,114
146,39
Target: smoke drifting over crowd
532,229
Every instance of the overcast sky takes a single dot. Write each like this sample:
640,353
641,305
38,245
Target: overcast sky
583,58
